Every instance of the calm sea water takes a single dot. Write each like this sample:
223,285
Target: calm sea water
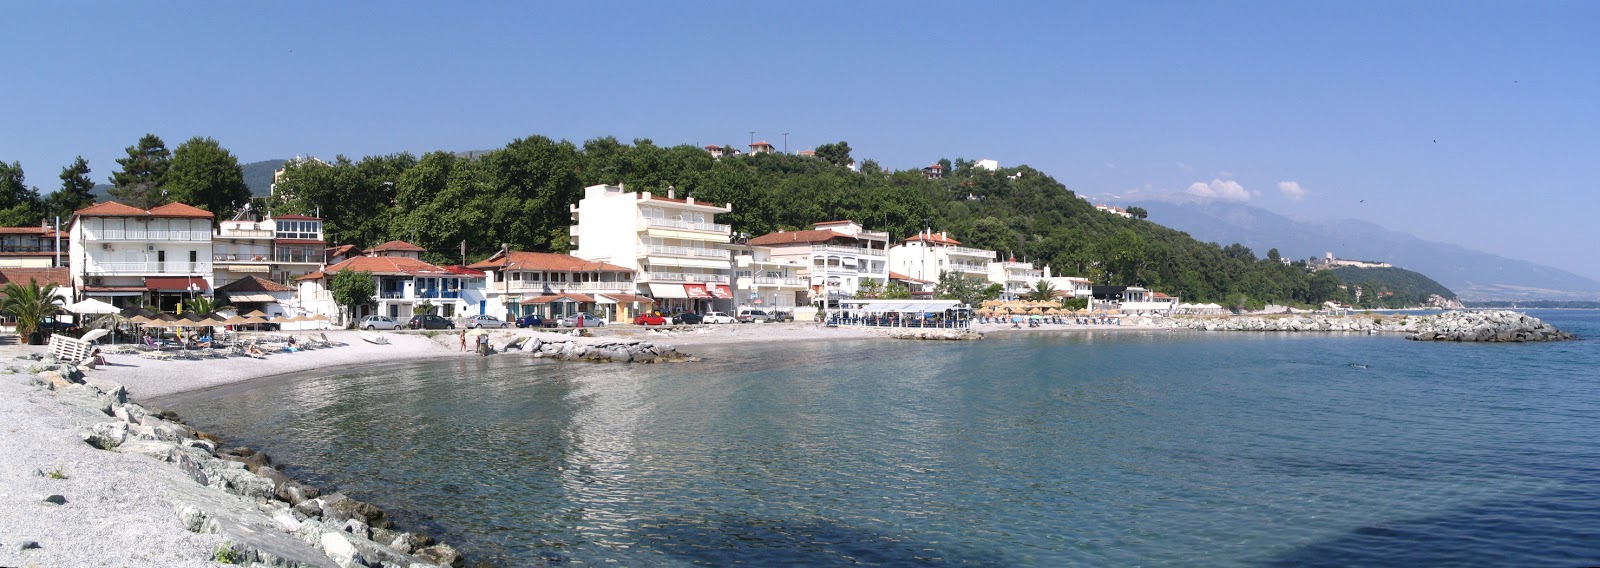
1124,448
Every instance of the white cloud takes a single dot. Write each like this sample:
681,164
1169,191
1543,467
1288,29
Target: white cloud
1227,190
1185,167
1292,190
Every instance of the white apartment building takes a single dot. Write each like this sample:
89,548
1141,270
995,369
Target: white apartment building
403,282
1077,286
1018,278
834,260
126,256
552,285
279,249
926,255
677,250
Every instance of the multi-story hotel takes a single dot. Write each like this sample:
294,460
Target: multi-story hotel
926,255
677,251
553,285
828,263
127,256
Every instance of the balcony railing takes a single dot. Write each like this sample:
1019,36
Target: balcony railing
859,251
391,294
114,268
774,281
444,294
970,251
685,251
685,277
314,258
147,235
31,248
239,258
243,234
686,225
558,287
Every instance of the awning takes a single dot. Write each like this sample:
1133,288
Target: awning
697,291
175,283
623,299
565,298
720,291
246,297
667,291
848,262
244,268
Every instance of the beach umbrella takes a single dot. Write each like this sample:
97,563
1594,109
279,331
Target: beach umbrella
319,317
298,318
256,313
92,306
133,312
235,320
94,334
166,317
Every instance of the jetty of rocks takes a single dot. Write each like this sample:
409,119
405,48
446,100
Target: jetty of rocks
1502,326
597,349
264,517
936,334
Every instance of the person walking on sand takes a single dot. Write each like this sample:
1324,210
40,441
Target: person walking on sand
463,340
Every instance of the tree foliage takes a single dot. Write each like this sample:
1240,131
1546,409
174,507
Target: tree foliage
19,202
142,181
29,303
351,289
970,291
206,175
75,192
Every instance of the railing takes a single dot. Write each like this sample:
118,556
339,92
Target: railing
170,267
859,251
676,224
969,267
970,251
685,277
558,287
391,294
315,258
781,281
239,258
146,235
31,248
445,294
243,233
685,251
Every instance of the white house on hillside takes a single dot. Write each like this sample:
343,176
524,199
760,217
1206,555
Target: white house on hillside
926,255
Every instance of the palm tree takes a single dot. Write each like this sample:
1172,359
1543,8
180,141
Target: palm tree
203,305
30,304
1043,291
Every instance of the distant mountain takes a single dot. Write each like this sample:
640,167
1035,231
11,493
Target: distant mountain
257,175
1473,275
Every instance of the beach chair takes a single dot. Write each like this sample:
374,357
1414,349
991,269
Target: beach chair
326,341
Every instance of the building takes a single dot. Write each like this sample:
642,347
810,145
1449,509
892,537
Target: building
926,255
129,256
919,288
1118,211
828,263
552,285
1329,261
252,293
1072,286
34,247
298,247
1018,278
405,285
241,247
987,164
761,147
677,251
935,171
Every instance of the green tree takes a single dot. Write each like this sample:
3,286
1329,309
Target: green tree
75,193
206,175
29,303
19,203
351,289
837,153
1043,291
1138,212
203,305
869,290
1272,255
142,181
970,291
896,291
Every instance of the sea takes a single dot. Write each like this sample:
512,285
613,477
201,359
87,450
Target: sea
1121,448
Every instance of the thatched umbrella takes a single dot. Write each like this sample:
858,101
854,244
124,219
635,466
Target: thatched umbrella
256,313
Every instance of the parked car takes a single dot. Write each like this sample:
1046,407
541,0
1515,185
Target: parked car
430,321
649,318
482,321
582,319
378,322
686,318
780,315
716,317
53,325
530,320
750,315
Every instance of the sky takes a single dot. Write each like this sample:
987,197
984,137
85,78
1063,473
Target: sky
1472,123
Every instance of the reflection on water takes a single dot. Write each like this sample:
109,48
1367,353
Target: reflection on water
1038,450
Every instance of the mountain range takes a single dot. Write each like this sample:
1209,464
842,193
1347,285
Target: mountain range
1472,275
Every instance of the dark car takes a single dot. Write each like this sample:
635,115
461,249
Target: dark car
530,320
430,321
686,318
53,325
781,316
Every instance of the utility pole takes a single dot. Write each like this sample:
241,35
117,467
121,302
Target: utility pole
786,142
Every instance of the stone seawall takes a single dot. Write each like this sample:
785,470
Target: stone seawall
263,517
581,348
1497,326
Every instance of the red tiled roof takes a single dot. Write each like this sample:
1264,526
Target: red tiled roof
341,250
548,261
57,276
397,245
933,238
381,265
626,298
790,237
761,143
898,276
462,270
115,209
713,147
253,284
47,232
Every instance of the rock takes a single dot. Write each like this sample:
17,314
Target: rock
107,435
338,507
441,554
339,548
286,521
55,500
358,528
310,508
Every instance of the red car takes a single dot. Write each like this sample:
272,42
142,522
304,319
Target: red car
649,319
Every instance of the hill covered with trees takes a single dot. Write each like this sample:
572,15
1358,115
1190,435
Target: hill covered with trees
520,195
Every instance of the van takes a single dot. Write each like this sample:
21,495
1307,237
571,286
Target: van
752,315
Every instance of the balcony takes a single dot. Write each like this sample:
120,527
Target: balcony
239,258
148,235
691,252
33,248
244,234
775,281
558,287
965,251
303,258
685,225
439,294
137,268
683,277
858,251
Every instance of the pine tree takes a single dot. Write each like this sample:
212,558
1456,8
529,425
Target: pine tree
75,193
142,181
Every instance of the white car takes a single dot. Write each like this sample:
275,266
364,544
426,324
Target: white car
482,321
379,322
716,317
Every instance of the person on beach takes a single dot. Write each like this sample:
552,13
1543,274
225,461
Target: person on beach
463,340
483,345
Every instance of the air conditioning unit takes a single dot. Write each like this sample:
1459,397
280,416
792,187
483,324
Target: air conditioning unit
105,246
96,281
149,247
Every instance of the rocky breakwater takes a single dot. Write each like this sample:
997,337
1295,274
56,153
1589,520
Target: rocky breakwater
936,334
263,517
598,349
1313,322
1497,326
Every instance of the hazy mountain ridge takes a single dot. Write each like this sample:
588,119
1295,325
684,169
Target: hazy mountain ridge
1473,275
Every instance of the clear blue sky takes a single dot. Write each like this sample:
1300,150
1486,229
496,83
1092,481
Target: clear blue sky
1473,123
